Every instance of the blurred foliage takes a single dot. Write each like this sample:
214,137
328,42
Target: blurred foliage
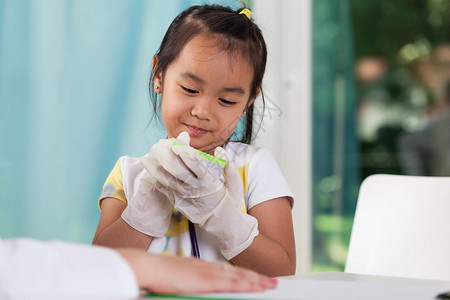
405,34
384,27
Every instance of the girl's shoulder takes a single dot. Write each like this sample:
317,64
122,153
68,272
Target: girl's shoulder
242,153
238,149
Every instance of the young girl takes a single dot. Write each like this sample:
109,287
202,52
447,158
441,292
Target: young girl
206,76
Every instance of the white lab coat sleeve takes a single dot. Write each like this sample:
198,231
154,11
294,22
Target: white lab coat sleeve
31,269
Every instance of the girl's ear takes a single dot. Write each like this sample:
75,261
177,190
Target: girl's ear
250,102
157,75
257,94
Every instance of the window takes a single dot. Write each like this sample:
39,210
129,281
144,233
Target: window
381,104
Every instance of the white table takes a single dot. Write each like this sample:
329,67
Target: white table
340,286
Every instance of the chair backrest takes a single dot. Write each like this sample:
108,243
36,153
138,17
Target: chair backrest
402,228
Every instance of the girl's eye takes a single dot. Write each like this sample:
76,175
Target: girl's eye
226,102
189,91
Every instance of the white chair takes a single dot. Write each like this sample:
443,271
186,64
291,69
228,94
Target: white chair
402,228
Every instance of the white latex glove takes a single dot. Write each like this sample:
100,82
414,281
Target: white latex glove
149,211
201,196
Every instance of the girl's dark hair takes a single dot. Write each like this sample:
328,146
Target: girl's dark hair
235,33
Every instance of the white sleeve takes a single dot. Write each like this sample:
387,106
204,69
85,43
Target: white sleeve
265,179
31,269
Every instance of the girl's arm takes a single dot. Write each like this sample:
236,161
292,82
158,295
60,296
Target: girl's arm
113,231
273,251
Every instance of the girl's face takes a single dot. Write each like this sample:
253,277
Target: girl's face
204,92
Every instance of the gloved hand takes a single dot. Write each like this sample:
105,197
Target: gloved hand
200,196
149,211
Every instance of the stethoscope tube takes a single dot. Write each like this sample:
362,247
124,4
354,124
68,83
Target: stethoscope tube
194,242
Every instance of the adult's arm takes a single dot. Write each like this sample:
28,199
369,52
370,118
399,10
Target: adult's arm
53,270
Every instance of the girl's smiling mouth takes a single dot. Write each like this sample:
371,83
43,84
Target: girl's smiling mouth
195,130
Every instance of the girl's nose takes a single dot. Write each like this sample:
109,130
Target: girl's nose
202,109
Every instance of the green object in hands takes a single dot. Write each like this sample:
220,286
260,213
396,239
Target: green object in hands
206,155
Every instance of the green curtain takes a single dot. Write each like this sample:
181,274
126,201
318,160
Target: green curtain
335,153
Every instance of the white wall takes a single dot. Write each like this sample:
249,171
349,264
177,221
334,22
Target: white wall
286,131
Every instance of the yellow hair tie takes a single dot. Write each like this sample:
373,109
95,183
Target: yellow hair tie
246,12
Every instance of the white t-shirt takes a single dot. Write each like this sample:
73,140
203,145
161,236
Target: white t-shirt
31,269
261,178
